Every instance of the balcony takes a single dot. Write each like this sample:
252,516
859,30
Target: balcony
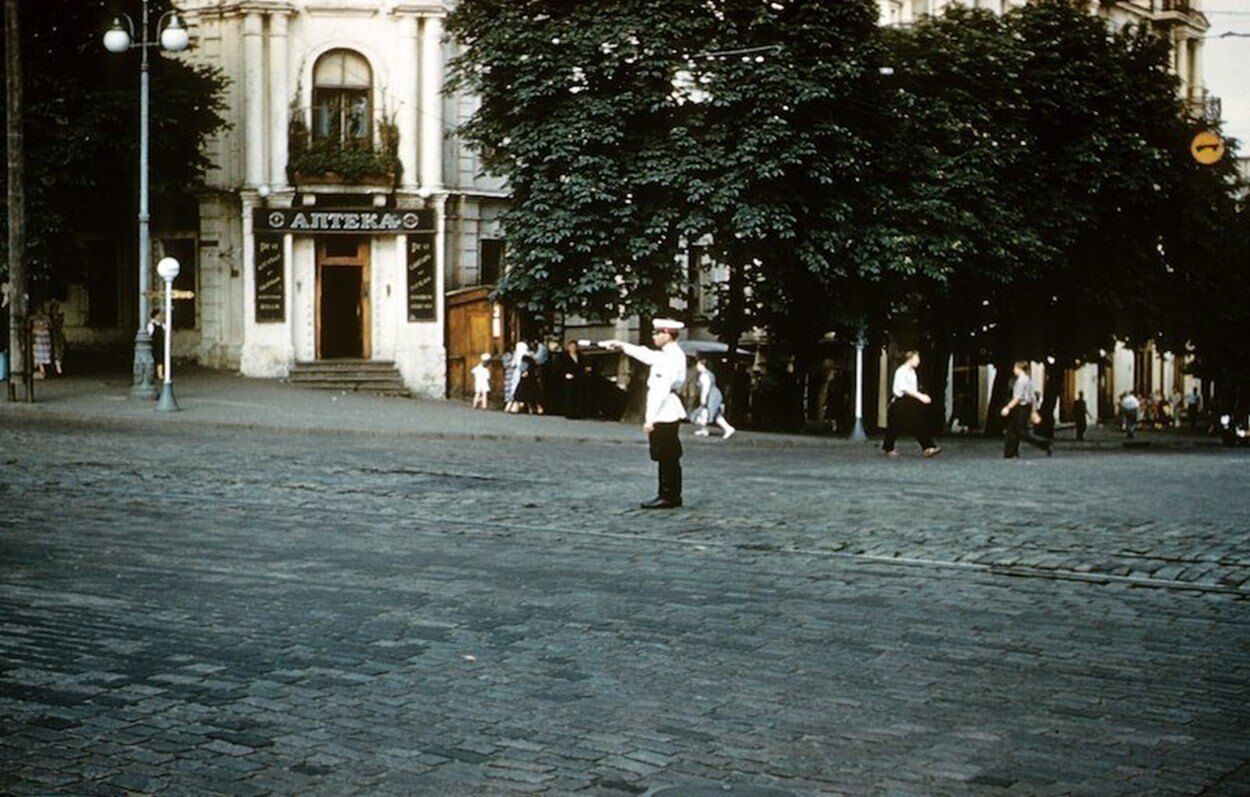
343,160
1204,106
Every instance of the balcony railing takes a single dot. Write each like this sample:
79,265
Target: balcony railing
1206,107
351,161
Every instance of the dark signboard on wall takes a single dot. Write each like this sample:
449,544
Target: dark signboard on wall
313,221
270,279
421,278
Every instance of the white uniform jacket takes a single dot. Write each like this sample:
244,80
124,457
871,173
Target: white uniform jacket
668,374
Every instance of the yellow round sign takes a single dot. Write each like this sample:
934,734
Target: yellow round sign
1207,148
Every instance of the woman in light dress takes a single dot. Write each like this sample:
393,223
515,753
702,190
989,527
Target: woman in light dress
711,403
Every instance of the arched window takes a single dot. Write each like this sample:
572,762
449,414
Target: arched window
342,112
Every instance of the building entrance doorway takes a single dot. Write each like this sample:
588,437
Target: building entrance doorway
343,316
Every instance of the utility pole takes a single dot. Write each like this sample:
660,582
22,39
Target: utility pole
17,194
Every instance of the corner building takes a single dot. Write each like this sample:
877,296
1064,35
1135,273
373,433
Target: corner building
340,215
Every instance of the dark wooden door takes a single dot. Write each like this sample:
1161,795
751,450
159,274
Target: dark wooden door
341,332
343,307
470,334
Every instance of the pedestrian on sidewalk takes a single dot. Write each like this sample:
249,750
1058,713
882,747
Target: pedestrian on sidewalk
529,394
156,333
711,403
576,377
56,317
1080,409
1191,408
909,410
664,408
1021,414
512,374
481,383
1129,406
41,342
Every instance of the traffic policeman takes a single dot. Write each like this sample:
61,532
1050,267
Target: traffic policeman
664,408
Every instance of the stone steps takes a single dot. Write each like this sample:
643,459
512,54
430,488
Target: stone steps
353,376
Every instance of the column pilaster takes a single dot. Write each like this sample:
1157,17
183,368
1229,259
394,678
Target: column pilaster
432,103
253,99
279,99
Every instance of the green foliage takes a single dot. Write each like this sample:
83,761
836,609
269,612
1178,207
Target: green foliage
1020,186
351,162
82,139
612,173
1037,168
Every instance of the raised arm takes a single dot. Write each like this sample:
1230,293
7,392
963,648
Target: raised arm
640,353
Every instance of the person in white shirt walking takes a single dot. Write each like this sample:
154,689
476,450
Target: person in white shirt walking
664,408
909,409
481,383
1129,407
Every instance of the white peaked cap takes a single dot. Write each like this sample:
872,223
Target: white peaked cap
485,357
667,324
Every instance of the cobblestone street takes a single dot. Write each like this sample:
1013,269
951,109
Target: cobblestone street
217,611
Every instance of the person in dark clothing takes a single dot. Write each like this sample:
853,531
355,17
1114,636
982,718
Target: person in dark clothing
577,379
528,389
1080,411
1019,415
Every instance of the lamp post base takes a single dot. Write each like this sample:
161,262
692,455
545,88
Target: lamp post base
167,403
144,386
857,431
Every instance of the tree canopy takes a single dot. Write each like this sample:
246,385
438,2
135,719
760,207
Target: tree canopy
82,136
1018,186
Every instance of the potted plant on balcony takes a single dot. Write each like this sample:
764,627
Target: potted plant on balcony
348,162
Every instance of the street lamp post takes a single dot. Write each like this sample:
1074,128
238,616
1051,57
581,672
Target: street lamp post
168,269
857,431
172,36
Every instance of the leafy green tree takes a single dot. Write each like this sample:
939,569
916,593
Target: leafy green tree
613,169
82,137
1047,167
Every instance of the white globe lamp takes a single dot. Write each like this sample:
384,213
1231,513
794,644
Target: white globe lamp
175,38
116,38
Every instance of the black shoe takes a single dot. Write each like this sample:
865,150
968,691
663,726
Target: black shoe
661,503
1050,450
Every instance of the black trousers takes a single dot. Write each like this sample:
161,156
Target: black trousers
1080,430
1020,427
907,416
666,452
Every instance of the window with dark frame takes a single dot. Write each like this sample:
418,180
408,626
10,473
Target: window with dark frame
491,261
342,112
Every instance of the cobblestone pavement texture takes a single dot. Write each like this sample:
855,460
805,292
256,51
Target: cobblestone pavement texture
215,611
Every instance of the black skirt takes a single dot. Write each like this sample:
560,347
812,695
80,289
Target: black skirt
528,390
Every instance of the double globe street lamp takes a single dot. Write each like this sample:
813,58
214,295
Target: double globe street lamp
120,38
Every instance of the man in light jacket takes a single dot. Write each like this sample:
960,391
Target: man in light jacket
664,408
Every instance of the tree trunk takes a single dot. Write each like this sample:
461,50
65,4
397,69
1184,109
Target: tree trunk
1000,394
937,358
738,399
16,189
